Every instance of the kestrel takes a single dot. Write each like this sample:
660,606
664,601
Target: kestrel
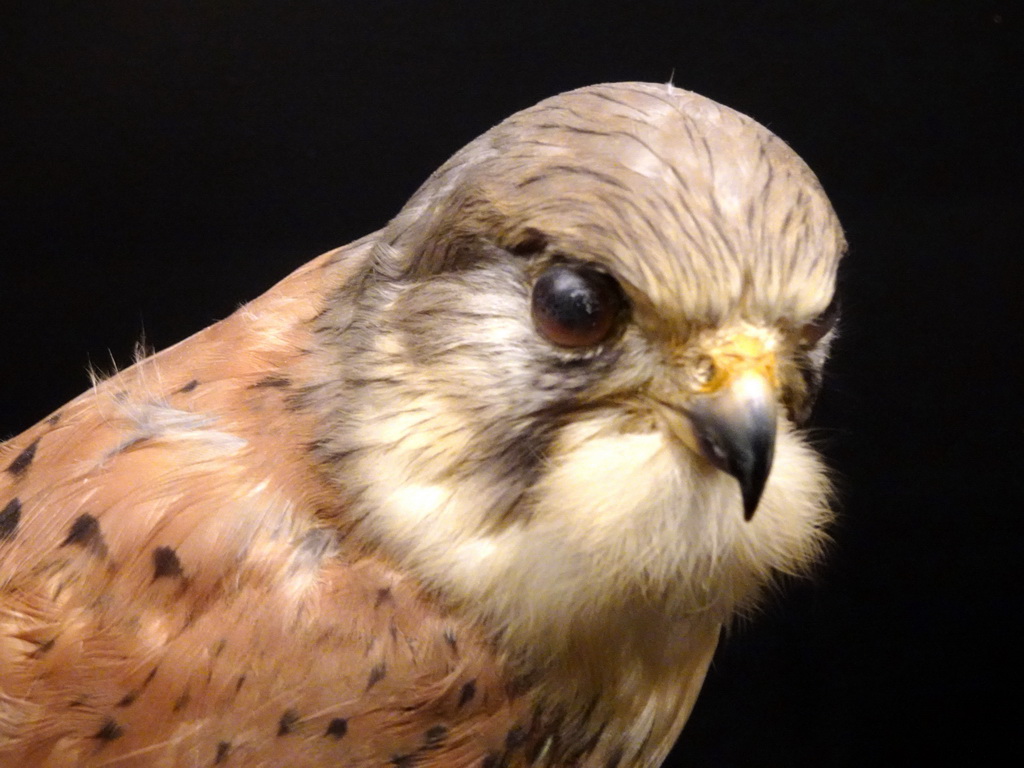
478,489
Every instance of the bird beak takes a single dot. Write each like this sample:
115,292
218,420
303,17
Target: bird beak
735,431
731,420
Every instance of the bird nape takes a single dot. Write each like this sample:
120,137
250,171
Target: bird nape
478,489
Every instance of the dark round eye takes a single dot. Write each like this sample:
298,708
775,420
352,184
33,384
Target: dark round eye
575,306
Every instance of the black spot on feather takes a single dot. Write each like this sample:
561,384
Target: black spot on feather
82,530
21,462
287,723
337,728
85,532
223,747
166,564
435,735
188,388
378,673
467,693
10,516
110,731
182,701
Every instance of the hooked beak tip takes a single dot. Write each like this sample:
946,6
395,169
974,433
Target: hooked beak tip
735,432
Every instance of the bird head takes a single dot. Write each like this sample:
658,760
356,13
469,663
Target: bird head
572,371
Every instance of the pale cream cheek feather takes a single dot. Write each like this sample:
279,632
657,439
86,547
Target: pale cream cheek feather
616,517
625,536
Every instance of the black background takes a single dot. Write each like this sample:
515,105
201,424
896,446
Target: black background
162,162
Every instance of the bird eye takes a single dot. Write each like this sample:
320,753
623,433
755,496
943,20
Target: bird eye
575,306
819,327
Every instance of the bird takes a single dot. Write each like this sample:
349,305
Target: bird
481,488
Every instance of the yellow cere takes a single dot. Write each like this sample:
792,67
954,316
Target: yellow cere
739,354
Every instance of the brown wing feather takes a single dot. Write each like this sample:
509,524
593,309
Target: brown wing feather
174,595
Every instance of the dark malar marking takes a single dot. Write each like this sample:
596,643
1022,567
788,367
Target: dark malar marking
287,723
22,461
378,673
10,516
166,563
110,731
337,728
223,747
277,382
